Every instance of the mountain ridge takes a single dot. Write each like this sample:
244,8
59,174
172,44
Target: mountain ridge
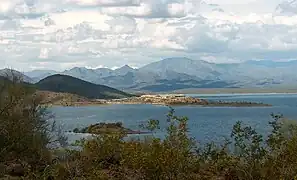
11,73
175,73
65,86
68,84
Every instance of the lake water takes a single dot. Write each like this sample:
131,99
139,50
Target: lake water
205,123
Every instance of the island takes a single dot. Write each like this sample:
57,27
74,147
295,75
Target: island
107,128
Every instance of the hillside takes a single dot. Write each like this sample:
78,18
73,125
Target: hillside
10,73
198,68
68,84
4,81
64,99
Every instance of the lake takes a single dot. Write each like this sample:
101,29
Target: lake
205,123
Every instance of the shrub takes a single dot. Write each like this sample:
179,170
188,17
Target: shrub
248,155
25,135
25,132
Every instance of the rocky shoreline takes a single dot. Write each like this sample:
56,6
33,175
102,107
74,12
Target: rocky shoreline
179,100
65,99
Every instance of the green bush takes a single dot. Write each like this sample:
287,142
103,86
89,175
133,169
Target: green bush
25,132
25,135
247,155
23,127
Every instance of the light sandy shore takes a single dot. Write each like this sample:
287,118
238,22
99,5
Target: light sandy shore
184,101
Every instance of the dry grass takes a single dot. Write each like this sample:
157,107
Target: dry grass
64,99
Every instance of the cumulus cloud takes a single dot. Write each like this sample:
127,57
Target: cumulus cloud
59,34
151,9
105,3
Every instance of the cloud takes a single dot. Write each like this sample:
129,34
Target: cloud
59,34
122,24
288,7
104,3
150,9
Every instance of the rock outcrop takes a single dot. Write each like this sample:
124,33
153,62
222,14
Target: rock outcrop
107,128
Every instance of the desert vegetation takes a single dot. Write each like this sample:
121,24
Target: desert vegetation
28,136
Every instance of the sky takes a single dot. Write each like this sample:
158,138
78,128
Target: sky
61,34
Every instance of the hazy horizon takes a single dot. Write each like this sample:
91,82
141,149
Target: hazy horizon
118,67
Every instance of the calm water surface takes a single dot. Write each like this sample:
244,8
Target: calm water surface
205,123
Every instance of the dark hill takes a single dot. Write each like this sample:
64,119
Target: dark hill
7,80
69,84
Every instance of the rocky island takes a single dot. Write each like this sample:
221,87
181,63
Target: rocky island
107,128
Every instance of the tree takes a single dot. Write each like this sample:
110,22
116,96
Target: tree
25,131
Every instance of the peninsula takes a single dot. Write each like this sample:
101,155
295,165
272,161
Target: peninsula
66,99
178,99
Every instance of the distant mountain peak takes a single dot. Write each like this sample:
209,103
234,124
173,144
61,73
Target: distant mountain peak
78,68
182,59
199,68
11,73
100,68
124,70
82,70
126,67
177,58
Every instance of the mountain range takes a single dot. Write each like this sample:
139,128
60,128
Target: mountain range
62,85
183,73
